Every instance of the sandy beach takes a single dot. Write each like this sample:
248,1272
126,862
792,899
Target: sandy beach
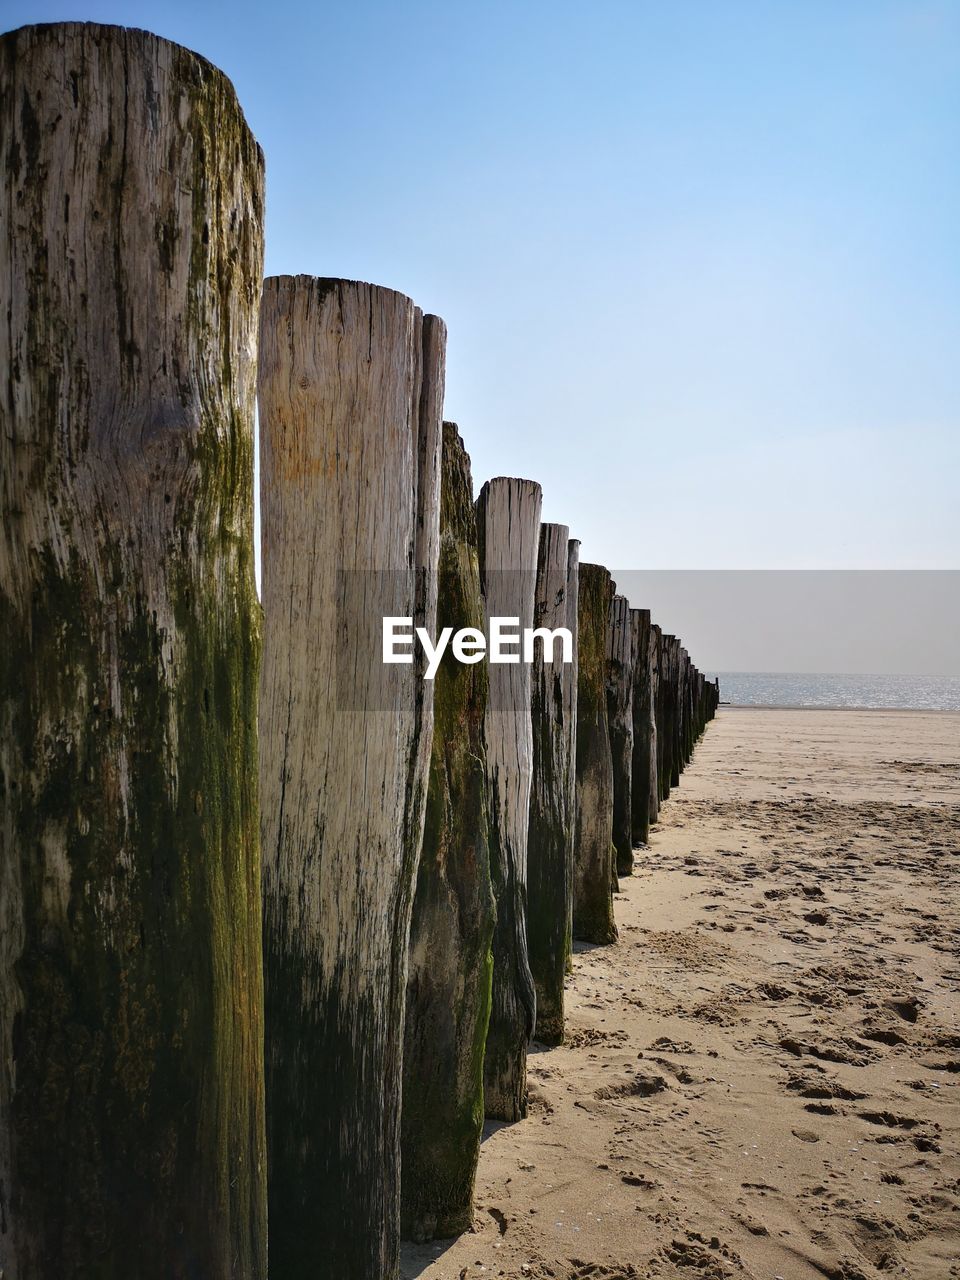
761,1077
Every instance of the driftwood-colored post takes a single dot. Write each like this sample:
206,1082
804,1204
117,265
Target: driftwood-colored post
131,1077
642,727
667,713
676,702
351,381
713,698
131,250
552,796
656,742
620,714
594,854
508,527
450,962
573,622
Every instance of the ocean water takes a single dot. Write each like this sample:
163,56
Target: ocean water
799,689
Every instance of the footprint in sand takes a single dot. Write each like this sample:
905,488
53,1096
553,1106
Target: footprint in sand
805,1135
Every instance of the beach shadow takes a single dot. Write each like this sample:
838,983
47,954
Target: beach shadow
416,1258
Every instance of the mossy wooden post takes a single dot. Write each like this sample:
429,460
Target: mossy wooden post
450,961
620,715
351,379
695,702
667,728
656,745
550,840
131,1075
688,725
676,710
508,526
594,853
642,723
573,622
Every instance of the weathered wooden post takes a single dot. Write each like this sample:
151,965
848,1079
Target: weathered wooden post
131,242
551,833
663,700
676,702
642,726
573,622
620,715
656,742
713,700
594,854
683,718
351,383
508,526
450,962
667,728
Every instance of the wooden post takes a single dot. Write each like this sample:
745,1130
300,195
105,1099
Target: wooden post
552,796
594,854
131,1107
620,714
508,525
450,964
656,742
663,722
642,725
573,622
677,712
351,380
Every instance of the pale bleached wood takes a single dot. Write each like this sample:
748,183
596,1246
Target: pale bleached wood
550,841
449,974
508,526
347,472
594,854
620,715
131,1108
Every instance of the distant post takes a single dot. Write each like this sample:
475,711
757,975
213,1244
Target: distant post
620,713
550,844
642,727
595,871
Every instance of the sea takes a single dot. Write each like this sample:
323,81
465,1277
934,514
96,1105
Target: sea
802,689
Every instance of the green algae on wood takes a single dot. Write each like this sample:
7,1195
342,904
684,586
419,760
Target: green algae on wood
508,531
594,856
350,386
450,957
552,795
131,1079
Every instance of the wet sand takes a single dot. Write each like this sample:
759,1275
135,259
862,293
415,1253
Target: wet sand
761,1077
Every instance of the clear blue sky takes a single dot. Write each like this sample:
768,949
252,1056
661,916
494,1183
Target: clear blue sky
699,259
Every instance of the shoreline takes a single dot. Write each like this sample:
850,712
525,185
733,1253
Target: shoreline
785,706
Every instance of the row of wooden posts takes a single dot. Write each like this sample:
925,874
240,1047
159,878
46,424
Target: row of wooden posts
401,863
